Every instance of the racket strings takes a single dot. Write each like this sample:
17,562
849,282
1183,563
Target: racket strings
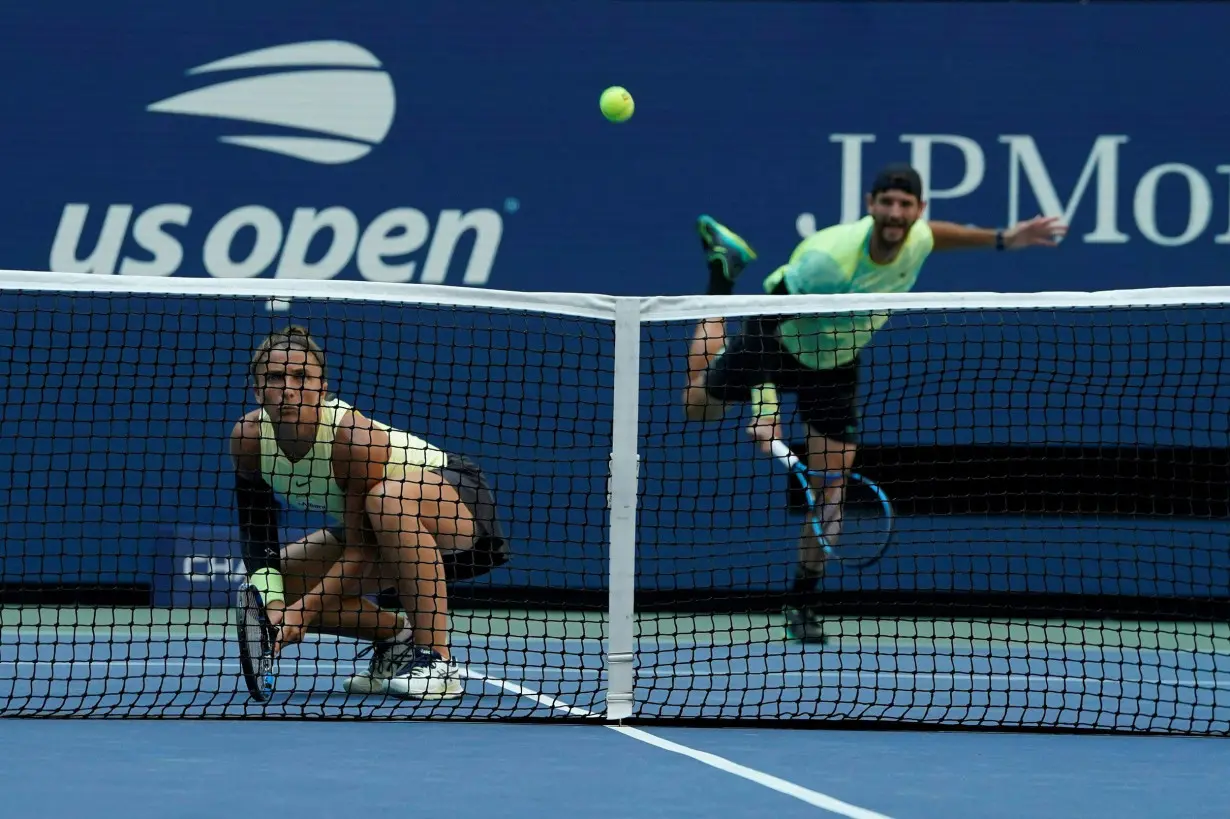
257,638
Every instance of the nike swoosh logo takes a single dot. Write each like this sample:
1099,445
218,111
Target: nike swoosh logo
301,484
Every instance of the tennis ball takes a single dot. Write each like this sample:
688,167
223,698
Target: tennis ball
616,104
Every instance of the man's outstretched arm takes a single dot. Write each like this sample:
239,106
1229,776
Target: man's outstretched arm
1041,231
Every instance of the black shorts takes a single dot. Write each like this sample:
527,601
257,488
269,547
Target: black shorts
827,399
490,549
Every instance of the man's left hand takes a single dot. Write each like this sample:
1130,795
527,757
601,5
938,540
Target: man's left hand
1040,231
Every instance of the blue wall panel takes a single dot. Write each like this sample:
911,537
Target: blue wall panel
460,143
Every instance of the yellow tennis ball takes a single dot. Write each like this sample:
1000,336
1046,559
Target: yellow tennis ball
616,104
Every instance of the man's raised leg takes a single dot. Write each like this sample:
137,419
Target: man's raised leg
726,254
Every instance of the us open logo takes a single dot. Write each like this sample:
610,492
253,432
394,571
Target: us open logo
335,91
323,102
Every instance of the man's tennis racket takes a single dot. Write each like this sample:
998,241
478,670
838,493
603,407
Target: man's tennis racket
257,639
867,514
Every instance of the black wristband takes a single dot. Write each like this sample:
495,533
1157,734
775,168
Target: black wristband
258,523
999,240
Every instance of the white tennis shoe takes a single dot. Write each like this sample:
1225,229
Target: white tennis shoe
427,677
388,660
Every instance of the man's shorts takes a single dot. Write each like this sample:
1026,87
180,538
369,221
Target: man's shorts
827,399
490,548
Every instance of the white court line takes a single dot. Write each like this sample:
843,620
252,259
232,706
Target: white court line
814,798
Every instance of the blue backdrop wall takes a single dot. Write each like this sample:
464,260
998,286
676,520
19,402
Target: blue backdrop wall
438,115
459,142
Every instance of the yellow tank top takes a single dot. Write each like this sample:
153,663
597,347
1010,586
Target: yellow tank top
838,260
308,483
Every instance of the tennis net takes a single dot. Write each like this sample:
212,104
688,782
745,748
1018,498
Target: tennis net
1057,465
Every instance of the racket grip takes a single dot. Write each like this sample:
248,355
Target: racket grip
783,454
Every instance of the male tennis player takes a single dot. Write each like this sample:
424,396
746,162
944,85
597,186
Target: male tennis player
816,356
408,517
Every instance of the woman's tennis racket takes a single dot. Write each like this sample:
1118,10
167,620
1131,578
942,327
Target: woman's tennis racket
867,514
257,639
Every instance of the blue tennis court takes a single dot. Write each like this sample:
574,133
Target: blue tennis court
162,664
157,769
1169,678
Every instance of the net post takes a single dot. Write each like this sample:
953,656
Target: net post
622,504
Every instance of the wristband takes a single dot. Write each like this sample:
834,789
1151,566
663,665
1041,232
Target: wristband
764,401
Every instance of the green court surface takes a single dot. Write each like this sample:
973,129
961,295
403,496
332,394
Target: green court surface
128,624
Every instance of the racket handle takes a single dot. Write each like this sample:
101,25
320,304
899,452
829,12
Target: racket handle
783,454
792,462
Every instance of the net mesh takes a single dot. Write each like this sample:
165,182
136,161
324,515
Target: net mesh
121,550
1060,487
1060,479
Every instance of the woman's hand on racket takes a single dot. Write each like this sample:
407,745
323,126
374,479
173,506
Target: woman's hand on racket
292,623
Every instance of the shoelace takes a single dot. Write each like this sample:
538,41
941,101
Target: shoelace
372,649
423,659
363,652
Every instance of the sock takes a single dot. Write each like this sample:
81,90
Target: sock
719,285
406,633
803,591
